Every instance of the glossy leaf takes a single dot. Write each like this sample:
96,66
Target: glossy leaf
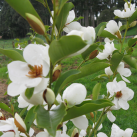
99,27
22,7
95,91
133,17
79,18
23,111
86,53
39,41
100,77
132,42
123,27
50,119
84,71
61,4
29,92
62,81
134,135
115,60
30,118
42,2
67,45
62,17
86,107
13,54
131,61
108,35
5,107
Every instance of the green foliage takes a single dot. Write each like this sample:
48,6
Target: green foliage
133,17
96,91
86,107
132,42
29,92
6,108
50,119
67,45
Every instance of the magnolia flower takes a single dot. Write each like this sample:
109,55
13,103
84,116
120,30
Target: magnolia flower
121,92
113,28
107,40
87,34
107,51
13,126
74,94
70,24
31,73
101,134
124,72
129,9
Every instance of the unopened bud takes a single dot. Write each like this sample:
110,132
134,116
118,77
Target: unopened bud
118,34
35,23
56,73
134,23
49,96
2,117
20,123
92,114
75,133
93,54
56,5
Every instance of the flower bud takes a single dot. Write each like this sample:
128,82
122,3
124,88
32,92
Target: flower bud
75,133
92,114
118,34
2,117
19,123
133,24
74,94
93,54
56,73
49,96
35,23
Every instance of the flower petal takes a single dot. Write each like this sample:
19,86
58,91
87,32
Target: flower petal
123,104
101,134
22,102
80,122
110,116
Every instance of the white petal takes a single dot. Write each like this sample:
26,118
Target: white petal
114,130
125,79
45,68
108,71
101,134
70,17
75,94
128,132
110,116
15,89
8,134
22,102
80,122
119,24
42,85
42,134
123,104
31,131
118,13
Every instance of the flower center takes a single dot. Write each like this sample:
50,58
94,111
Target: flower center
35,71
118,94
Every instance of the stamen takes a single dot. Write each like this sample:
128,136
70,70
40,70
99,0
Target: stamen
118,94
35,71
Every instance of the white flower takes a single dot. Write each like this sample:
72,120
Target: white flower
113,28
129,9
123,72
108,71
31,74
101,134
107,51
117,132
122,93
99,128
74,94
107,40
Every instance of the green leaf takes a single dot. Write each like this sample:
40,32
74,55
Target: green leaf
6,108
22,7
86,53
13,54
23,111
98,28
133,17
67,45
61,4
131,61
84,71
1,133
62,80
132,42
123,27
79,18
134,135
115,60
50,119
100,77
30,118
86,107
62,17
39,41
29,92
42,2
108,35
95,91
